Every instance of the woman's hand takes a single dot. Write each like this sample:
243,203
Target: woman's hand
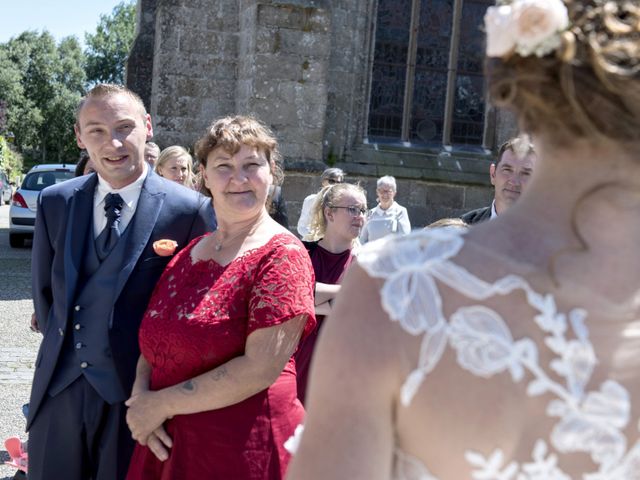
158,442
146,413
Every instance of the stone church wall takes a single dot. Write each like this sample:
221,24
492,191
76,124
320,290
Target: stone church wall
302,67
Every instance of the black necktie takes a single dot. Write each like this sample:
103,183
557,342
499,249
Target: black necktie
111,233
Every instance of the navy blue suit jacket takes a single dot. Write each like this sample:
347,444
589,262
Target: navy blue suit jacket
165,210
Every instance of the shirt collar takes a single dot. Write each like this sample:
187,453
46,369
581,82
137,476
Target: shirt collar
388,210
494,213
129,193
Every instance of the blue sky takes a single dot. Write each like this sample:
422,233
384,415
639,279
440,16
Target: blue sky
61,18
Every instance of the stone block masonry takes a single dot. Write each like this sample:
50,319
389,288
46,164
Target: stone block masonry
304,68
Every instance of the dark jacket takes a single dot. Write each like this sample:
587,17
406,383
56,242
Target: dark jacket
278,210
477,216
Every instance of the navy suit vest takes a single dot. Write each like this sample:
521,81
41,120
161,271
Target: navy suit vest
86,350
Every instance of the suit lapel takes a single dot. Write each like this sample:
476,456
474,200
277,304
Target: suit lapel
487,213
141,225
79,220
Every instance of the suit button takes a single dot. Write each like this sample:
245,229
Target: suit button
84,365
78,346
61,332
77,326
77,308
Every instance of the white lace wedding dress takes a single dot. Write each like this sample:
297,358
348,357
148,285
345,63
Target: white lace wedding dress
588,416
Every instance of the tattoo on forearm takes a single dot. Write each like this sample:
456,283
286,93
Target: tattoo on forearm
219,373
189,387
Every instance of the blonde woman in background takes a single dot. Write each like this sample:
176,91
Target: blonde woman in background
175,163
337,218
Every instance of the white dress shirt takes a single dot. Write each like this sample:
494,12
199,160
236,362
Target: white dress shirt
494,214
130,195
304,222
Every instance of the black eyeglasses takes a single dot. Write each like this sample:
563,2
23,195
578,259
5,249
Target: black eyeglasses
353,211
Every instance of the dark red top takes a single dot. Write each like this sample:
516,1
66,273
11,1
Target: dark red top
329,268
198,318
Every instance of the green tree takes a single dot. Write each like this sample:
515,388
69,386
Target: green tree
10,161
41,87
22,117
107,49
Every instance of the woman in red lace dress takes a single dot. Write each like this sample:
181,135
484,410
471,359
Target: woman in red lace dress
215,392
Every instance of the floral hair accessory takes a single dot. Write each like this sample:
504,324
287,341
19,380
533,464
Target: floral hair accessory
526,27
165,247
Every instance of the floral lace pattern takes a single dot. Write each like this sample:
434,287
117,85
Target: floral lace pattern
201,313
592,422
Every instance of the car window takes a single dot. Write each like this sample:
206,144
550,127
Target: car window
40,180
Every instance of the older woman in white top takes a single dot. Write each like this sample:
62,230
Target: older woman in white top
388,217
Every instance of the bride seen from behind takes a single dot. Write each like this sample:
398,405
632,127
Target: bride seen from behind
511,351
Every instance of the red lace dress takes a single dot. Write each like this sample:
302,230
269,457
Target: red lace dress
198,318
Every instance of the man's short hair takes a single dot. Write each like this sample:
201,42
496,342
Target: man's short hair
520,145
105,90
152,146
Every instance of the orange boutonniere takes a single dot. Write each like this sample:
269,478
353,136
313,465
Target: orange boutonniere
165,247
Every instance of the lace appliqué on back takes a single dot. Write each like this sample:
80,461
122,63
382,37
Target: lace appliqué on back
588,421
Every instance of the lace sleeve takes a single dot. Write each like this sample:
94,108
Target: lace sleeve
283,287
410,295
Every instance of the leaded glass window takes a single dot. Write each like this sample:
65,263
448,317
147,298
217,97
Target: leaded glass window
427,84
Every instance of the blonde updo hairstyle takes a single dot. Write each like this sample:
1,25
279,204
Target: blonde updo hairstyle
176,151
327,197
588,88
231,133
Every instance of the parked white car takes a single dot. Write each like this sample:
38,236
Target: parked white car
22,213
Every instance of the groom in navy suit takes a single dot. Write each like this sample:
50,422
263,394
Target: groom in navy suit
94,269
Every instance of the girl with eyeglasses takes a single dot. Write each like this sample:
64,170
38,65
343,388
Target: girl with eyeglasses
337,219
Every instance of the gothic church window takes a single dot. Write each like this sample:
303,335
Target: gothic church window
427,84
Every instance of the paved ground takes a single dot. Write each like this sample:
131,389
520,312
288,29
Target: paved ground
18,345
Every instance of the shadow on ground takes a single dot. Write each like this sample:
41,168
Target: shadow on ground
15,269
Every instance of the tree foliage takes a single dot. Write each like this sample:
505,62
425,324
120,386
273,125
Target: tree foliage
108,48
41,83
10,160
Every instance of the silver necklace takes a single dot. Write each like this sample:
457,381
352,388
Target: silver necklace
219,243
